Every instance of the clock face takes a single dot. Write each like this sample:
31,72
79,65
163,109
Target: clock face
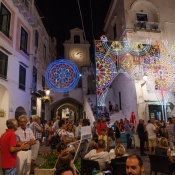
77,54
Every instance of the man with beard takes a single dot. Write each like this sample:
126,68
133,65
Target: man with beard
134,165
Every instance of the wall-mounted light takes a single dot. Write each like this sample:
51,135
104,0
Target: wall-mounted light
145,78
47,92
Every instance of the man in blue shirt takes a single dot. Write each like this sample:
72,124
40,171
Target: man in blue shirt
128,134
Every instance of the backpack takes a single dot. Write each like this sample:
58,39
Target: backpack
55,140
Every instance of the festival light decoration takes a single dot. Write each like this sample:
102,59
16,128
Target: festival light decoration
161,71
170,49
137,48
105,74
128,65
126,56
62,75
116,47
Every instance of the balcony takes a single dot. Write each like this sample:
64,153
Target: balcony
147,26
34,91
26,9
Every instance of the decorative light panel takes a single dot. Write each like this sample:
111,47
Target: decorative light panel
105,74
62,75
138,48
170,49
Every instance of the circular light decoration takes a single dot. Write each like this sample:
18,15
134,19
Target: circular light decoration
62,75
161,70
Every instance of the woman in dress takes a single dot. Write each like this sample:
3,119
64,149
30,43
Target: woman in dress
117,133
121,123
70,133
110,107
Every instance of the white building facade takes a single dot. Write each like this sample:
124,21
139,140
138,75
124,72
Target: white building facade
24,57
139,20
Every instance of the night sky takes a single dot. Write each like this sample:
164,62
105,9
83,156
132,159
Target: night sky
60,16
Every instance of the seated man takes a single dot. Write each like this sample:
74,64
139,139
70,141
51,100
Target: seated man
99,155
134,165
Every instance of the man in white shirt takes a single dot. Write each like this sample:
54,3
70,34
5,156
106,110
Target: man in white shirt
99,155
56,124
24,135
151,130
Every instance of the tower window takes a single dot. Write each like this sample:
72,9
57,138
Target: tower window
76,39
142,17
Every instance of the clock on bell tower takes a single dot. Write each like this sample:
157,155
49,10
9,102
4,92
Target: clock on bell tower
77,49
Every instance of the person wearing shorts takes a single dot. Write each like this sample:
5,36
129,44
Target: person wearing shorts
151,130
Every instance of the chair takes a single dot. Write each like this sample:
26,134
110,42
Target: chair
159,164
87,166
119,167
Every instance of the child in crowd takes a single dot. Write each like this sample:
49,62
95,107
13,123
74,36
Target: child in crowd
104,136
111,138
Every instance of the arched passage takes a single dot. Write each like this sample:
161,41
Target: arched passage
19,111
73,105
4,107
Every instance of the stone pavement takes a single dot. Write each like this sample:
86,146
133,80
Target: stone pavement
145,159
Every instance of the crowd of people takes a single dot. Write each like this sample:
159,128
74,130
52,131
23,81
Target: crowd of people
21,142
102,110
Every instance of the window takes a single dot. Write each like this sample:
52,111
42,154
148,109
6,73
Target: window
34,80
44,52
77,39
141,17
22,77
43,82
26,2
115,31
5,17
23,41
36,38
120,102
3,65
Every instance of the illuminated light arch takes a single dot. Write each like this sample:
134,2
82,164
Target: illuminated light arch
170,49
62,75
116,47
137,48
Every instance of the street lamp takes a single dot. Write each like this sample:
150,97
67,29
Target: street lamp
47,92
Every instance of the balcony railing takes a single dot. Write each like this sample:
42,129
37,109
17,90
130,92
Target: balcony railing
33,88
27,10
145,25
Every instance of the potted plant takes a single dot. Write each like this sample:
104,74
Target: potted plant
46,99
48,167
